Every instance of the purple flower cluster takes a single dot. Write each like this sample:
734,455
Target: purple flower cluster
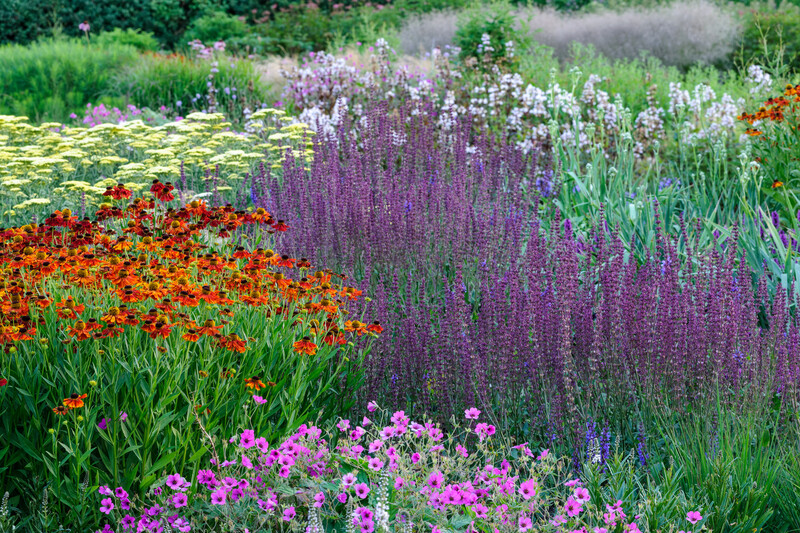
490,300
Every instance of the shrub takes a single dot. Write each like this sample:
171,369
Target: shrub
215,27
486,32
778,29
142,41
295,31
51,79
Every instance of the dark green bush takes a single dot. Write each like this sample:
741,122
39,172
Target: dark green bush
775,27
500,24
217,26
142,41
296,31
49,80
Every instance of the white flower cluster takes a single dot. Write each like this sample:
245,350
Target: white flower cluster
759,81
701,115
585,117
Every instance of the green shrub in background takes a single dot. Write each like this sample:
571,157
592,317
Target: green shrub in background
49,80
217,26
498,21
778,28
142,41
182,84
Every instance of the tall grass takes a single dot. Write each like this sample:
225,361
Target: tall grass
183,84
48,80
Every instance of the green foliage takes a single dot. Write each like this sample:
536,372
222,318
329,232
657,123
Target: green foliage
217,26
157,80
51,79
161,393
142,41
732,461
297,31
500,24
768,31
426,6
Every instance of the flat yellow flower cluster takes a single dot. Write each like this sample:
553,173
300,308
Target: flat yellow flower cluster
53,166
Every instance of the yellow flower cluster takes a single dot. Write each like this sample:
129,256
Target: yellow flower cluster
59,166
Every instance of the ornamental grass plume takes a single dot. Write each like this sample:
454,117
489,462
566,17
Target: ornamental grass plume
492,301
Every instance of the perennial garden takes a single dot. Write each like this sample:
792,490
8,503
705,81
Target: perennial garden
482,290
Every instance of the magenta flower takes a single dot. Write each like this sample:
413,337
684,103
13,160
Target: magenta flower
176,482
524,523
693,517
372,406
105,491
103,424
348,480
84,26
246,462
399,483
484,430
362,490
342,497
528,489
543,455
289,513
206,477
415,457
581,495
399,418
480,510
375,464
247,439
435,480
472,413
106,505
259,400
343,425
262,444
219,497
182,525
319,499
179,500
572,507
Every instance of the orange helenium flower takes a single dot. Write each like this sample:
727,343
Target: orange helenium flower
74,401
254,383
305,345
